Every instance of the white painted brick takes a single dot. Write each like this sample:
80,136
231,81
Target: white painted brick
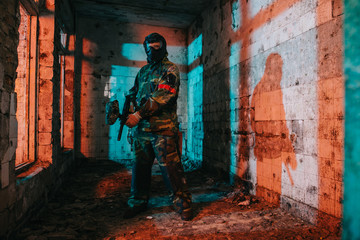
310,146
310,128
310,165
300,160
312,189
286,187
252,167
310,110
298,194
298,176
236,15
177,54
311,180
256,5
312,200
294,21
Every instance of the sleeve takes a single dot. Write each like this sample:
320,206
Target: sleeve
165,93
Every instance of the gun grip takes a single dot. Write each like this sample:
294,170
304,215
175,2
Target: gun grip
120,131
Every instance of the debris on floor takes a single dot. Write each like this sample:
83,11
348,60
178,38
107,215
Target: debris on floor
90,206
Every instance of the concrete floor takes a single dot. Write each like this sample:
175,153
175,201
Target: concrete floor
91,203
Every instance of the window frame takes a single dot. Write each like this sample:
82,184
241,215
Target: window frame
32,85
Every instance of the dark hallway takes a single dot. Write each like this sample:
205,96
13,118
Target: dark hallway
258,101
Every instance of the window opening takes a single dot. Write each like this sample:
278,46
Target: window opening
26,89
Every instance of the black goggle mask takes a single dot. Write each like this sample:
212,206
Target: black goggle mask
155,47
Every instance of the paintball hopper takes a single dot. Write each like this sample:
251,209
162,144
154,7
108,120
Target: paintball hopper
112,112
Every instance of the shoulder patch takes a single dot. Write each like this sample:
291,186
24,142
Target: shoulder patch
171,79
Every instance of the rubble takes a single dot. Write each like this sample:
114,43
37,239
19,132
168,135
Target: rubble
78,211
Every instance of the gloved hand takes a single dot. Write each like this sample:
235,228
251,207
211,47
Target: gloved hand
133,120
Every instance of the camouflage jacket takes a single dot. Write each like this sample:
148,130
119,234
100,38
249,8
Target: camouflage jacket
156,89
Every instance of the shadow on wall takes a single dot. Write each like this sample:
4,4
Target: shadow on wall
273,146
261,125
96,72
216,124
309,101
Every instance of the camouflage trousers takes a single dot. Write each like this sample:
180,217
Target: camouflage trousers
165,149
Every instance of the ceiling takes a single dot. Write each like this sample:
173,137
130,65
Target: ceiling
168,13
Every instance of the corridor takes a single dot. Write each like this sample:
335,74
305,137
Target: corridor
259,100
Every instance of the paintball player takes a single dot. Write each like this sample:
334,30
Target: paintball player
155,130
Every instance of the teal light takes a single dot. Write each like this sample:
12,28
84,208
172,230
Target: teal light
120,81
351,212
195,111
236,15
133,51
195,50
234,61
195,132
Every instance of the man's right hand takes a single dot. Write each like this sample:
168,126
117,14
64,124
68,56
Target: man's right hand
133,120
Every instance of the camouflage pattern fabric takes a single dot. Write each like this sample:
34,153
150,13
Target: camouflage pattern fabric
156,89
112,112
165,149
156,136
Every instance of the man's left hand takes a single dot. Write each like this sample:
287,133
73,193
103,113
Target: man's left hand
133,120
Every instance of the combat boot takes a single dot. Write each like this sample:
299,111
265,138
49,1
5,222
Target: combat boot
131,212
183,208
186,214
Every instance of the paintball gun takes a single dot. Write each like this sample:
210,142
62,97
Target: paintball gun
112,112
124,115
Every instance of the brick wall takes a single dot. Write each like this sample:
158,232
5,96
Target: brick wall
48,85
9,22
261,97
108,57
272,93
23,194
